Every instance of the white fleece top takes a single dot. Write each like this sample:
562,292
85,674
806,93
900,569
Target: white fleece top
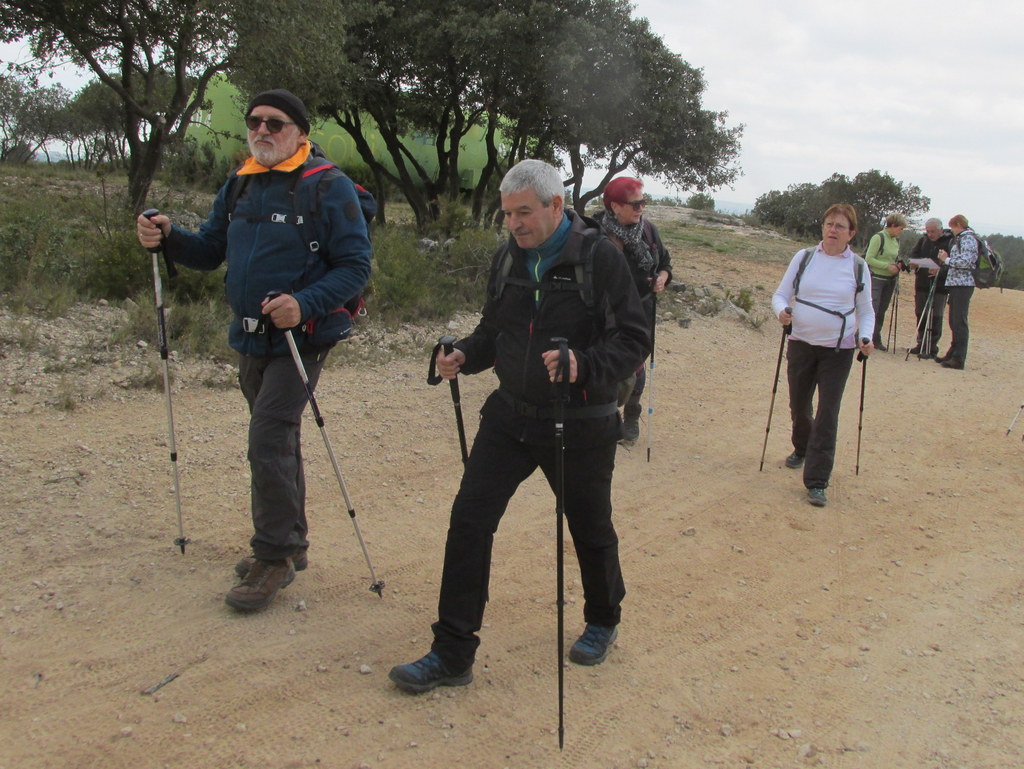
828,281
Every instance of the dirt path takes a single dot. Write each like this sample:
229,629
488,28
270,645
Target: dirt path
882,631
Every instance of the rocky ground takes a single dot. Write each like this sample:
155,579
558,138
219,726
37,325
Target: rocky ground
881,631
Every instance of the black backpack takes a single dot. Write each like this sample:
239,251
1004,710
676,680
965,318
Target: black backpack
317,165
584,282
989,271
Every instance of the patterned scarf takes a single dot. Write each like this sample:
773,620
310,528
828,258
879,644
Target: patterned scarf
631,235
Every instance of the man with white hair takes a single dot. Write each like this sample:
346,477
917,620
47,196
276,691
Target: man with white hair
262,242
935,239
556,276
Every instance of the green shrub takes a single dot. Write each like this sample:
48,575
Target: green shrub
701,202
412,282
196,329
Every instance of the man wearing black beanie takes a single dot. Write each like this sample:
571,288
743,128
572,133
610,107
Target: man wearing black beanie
252,228
285,101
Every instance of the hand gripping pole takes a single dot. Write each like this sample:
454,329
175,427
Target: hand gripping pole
775,388
860,420
376,585
161,330
433,378
561,398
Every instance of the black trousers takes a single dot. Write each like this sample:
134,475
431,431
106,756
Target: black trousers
825,369
959,305
273,389
938,313
498,464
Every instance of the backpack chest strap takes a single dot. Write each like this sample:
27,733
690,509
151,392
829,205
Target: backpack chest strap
841,315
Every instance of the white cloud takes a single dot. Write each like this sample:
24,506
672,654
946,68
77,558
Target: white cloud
927,90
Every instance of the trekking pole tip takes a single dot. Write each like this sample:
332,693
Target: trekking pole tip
181,542
378,588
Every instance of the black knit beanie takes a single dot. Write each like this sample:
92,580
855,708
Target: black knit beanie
286,101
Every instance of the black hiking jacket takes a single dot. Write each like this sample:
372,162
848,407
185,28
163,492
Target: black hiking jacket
929,249
610,339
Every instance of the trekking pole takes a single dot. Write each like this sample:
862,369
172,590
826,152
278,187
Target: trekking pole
650,379
925,337
1015,417
775,388
376,585
890,337
561,396
860,422
433,378
161,331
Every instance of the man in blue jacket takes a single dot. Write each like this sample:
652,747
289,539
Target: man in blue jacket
557,276
266,250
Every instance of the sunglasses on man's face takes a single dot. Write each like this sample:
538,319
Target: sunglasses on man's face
274,125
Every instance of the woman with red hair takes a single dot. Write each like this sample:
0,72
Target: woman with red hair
962,259
624,223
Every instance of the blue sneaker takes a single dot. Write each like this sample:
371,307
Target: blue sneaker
593,646
428,673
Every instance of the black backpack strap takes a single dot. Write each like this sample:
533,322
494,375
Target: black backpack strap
804,261
502,267
584,272
237,187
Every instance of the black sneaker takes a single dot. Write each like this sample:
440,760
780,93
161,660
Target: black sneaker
593,646
817,497
915,350
300,561
428,673
794,460
881,347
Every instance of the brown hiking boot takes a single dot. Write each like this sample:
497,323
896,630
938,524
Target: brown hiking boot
260,584
300,561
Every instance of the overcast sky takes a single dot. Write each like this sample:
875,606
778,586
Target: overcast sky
929,91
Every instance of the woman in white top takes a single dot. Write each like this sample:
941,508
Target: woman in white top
822,297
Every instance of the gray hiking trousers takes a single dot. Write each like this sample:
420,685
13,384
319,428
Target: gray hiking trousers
276,396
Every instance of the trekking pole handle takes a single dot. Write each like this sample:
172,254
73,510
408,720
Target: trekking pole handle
861,356
445,343
788,328
172,272
149,213
563,369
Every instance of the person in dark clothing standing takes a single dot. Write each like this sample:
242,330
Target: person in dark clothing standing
555,277
636,236
930,282
262,243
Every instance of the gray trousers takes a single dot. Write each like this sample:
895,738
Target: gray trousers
882,290
276,396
